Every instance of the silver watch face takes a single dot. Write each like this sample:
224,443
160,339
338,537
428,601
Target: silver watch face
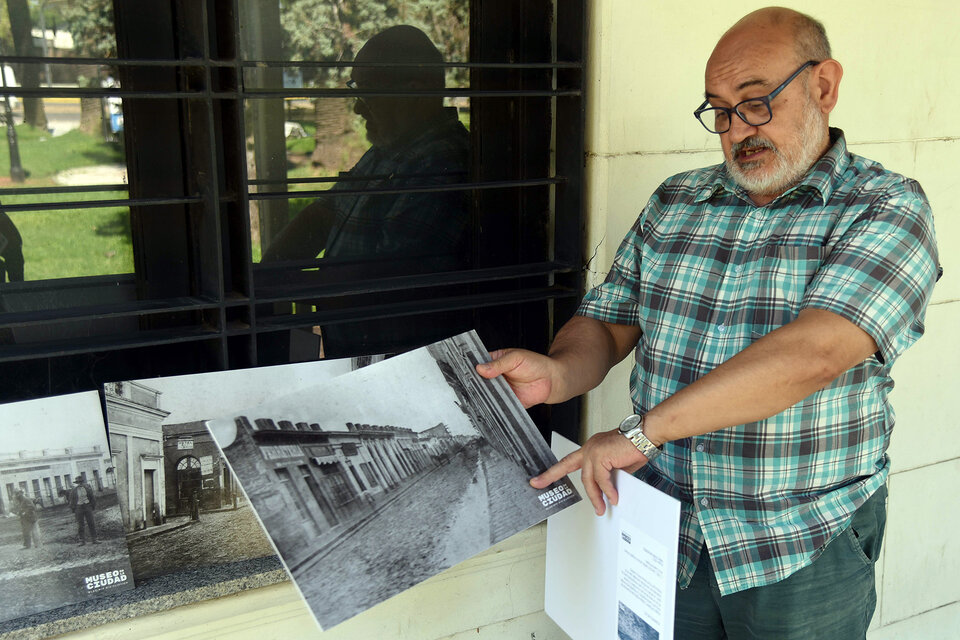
630,422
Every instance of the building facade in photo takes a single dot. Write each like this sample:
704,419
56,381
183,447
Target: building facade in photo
192,462
330,479
48,475
483,403
134,420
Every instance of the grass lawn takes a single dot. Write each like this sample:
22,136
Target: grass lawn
73,242
43,156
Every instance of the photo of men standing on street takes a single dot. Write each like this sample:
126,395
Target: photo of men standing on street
376,480
61,534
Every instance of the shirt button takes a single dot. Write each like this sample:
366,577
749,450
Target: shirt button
701,448
737,269
721,328
704,502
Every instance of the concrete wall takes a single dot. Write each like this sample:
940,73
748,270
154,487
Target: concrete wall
898,105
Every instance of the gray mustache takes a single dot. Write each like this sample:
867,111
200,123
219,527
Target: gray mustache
753,142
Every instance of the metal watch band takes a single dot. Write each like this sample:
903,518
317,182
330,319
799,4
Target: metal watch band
632,429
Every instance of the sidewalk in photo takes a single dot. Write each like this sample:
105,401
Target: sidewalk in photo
172,524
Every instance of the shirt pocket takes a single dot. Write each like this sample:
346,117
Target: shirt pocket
780,281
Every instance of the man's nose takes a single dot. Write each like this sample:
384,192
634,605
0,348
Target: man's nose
740,130
361,108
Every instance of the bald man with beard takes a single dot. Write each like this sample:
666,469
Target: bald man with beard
765,299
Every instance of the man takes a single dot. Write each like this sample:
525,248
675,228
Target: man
766,300
417,143
82,502
26,509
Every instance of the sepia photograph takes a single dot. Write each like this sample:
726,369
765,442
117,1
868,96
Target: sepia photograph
183,510
381,478
61,534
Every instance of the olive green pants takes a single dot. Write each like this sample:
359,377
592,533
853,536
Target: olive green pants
831,599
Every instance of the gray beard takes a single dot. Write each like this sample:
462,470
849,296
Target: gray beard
790,168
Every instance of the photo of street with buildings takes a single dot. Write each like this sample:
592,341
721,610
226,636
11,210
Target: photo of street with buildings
61,534
183,510
383,477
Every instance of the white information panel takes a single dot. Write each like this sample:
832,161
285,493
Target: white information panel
613,576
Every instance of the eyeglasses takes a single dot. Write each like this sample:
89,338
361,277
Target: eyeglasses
754,111
352,85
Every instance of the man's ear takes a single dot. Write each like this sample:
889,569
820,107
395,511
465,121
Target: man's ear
825,86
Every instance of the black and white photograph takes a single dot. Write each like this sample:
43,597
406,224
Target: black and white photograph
383,477
630,626
183,510
61,534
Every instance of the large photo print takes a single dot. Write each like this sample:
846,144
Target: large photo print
61,534
184,513
383,477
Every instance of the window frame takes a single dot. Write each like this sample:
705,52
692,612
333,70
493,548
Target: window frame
199,302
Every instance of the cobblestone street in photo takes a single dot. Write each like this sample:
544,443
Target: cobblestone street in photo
53,574
508,493
398,548
217,537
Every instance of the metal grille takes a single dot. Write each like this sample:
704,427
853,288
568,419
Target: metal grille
196,300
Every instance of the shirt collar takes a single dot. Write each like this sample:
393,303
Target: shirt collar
822,177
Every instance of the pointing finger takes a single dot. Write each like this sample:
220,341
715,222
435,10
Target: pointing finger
566,465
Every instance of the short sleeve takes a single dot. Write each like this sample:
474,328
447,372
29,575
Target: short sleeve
880,272
616,299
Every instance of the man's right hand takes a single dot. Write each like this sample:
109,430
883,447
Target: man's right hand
582,353
531,375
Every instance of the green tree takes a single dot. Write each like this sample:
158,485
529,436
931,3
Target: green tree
90,22
18,12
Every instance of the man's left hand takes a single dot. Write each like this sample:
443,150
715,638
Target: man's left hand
598,458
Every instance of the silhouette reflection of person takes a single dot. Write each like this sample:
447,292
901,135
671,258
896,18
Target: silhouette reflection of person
11,264
417,143
11,251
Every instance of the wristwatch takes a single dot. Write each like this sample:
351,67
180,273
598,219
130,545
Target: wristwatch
632,429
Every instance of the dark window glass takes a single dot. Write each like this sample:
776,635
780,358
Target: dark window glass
202,185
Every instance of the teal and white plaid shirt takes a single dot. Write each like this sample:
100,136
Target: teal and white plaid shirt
704,272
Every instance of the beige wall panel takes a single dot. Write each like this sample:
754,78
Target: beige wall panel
901,62
939,624
536,626
921,563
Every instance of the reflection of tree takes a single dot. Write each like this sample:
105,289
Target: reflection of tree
28,74
90,22
333,30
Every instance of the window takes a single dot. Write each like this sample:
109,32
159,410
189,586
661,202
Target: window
236,216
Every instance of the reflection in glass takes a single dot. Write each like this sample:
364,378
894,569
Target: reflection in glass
324,36
61,146
417,144
393,156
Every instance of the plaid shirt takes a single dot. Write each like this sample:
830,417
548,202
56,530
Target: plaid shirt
704,272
